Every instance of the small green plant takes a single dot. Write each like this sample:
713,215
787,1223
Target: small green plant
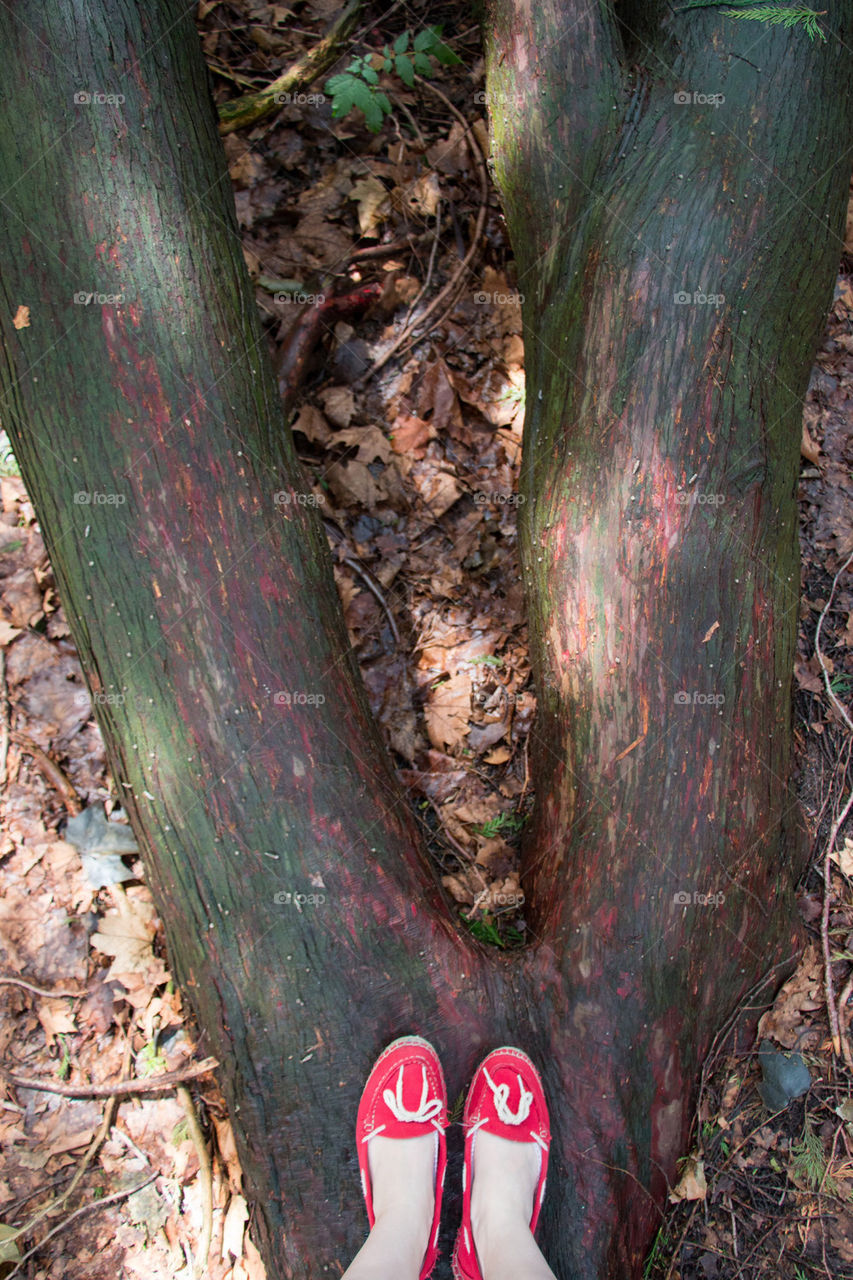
149,1060
656,1257
512,395
808,1161
507,822
358,86
774,15
180,1133
841,684
489,661
64,1067
8,461
485,930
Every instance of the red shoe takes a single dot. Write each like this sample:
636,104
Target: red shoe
506,1099
405,1097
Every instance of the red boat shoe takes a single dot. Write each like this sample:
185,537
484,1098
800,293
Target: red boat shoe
506,1099
405,1097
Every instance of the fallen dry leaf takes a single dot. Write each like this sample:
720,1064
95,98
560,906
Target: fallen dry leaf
56,1018
448,711
844,857
127,934
691,1184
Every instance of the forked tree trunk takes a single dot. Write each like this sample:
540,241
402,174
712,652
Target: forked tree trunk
197,593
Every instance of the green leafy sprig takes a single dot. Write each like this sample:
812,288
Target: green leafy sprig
774,15
358,86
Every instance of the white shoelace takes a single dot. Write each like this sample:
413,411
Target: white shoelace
427,1110
500,1093
501,1096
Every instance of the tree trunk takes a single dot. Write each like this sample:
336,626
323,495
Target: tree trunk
660,466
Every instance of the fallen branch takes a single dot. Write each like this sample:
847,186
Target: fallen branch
241,112
151,1084
50,771
40,991
304,334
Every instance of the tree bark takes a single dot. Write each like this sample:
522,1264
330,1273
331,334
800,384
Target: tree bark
302,918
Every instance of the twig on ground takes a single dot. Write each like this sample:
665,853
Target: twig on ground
430,266
40,991
253,107
110,1112
50,771
839,1042
205,1173
122,1088
78,1213
830,692
366,576
4,718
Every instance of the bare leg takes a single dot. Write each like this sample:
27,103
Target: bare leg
504,1179
402,1175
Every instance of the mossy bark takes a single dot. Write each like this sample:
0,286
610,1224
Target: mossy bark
302,920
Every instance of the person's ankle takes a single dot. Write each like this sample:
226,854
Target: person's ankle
503,1187
403,1186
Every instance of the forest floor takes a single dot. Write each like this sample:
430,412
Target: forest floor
413,464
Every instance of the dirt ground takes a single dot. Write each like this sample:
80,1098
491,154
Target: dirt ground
413,459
